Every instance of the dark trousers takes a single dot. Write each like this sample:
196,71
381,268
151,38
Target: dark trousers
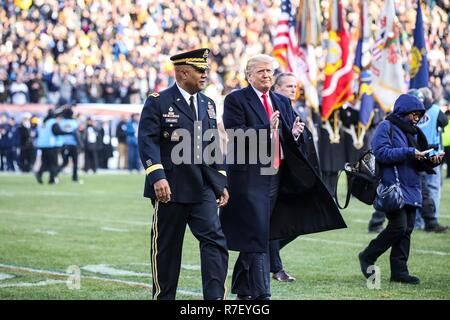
251,273
90,158
168,227
11,158
49,162
2,160
26,158
428,210
396,236
133,157
70,151
274,252
376,220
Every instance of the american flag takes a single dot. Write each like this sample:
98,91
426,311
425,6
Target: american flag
292,57
285,42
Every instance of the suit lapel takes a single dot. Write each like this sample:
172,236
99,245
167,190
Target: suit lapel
180,103
255,103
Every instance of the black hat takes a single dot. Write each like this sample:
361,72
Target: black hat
197,58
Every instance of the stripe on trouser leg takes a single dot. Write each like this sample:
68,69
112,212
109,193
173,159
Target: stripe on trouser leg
155,251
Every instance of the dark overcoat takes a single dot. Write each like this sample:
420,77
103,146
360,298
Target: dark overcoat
303,206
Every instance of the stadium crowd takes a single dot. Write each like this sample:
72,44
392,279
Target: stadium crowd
103,51
117,51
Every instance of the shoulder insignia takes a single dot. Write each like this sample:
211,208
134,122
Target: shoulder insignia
154,95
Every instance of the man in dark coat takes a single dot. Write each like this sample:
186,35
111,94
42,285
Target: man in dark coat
289,202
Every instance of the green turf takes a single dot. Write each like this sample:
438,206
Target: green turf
50,228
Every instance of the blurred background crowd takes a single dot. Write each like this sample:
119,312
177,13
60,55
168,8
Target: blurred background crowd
118,51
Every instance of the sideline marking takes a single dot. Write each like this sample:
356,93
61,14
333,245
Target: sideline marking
45,231
106,269
63,274
68,217
438,253
114,229
5,276
32,284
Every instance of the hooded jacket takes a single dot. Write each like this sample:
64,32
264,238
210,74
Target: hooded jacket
390,147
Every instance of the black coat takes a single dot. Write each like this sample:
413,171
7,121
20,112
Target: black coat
304,205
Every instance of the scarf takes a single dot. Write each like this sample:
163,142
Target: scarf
420,144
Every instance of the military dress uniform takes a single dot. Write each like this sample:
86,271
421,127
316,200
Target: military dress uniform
194,186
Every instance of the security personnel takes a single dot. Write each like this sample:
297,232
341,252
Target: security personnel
49,140
70,142
183,191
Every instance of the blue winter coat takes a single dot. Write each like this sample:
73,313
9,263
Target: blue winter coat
397,152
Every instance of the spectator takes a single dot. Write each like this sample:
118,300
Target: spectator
121,134
133,152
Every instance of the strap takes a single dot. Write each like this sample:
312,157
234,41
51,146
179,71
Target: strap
396,174
349,188
390,140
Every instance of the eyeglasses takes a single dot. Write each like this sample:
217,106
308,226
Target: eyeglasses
416,114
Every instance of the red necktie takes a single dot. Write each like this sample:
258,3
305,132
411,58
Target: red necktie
277,161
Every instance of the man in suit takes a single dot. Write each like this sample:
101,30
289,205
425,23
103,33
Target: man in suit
188,192
262,206
286,85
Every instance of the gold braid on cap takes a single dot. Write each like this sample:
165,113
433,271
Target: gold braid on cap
190,60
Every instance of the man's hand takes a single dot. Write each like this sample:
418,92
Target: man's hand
223,198
275,120
437,159
420,155
162,190
298,127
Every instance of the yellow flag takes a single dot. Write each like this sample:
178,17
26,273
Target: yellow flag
23,4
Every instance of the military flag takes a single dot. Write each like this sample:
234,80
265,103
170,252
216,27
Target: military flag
388,76
419,63
338,68
365,102
308,30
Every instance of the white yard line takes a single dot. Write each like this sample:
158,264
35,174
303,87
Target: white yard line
32,284
63,274
114,229
111,271
356,245
68,217
5,276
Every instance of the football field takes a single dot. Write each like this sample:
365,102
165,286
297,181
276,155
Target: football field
92,241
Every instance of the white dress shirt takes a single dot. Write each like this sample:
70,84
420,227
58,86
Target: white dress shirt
187,96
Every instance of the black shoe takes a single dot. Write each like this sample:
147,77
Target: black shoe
406,279
364,265
240,297
283,276
39,178
436,228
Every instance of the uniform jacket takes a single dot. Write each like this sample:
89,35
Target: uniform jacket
304,205
163,113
